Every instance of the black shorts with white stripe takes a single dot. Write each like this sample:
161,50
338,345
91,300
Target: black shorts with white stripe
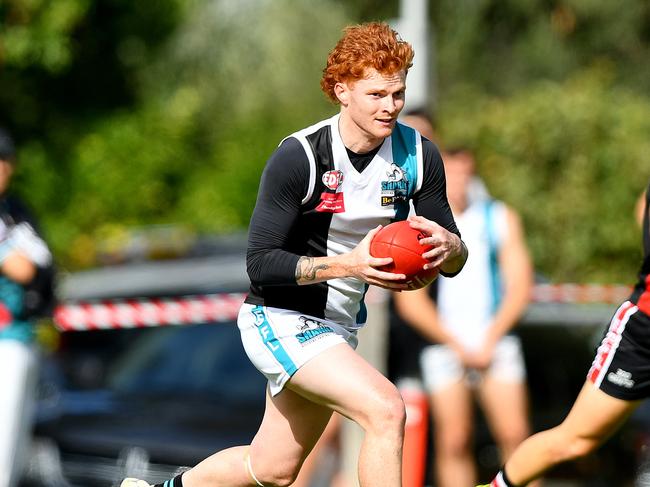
621,367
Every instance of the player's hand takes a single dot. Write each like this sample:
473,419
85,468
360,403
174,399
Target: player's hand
446,245
463,355
482,358
364,266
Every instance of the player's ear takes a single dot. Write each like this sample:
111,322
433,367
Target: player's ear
342,92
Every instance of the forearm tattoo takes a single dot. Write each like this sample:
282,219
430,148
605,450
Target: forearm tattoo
306,270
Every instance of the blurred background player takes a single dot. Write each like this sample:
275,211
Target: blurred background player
472,349
405,342
617,382
24,258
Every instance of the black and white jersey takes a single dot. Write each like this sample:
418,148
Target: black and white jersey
316,198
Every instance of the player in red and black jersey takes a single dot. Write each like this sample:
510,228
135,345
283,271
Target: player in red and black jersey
618,380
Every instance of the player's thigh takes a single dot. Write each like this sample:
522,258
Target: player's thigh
445,380
595,415
502,390
452,413
505,405
339,378
290,428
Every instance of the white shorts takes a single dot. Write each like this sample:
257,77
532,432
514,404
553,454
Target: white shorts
280,341
442,367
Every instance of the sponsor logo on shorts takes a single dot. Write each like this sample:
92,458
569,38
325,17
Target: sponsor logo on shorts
621,378
260,317
311,329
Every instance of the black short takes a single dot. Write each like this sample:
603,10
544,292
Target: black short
621,368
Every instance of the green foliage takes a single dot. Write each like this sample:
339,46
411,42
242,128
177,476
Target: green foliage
38,32
503,45
139,113
573,158
214,104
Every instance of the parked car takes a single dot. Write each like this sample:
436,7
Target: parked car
150,375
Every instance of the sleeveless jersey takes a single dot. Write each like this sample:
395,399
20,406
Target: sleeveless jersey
467,303
338,206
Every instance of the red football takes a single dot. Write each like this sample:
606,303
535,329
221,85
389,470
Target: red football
401,242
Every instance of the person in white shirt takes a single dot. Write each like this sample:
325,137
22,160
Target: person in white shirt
469,323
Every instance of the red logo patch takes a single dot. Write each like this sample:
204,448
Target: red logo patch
333,179
331,203
5,316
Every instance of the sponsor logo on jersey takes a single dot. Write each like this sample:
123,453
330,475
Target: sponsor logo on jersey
331,203
396,186
333,179
621,378
311,329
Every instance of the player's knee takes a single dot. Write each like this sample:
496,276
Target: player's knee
454,442
510,438
276,474
387,413
279,480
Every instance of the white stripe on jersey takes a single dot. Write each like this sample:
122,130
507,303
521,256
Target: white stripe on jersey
301,137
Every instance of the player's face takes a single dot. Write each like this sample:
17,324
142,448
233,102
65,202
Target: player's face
459,169
370,107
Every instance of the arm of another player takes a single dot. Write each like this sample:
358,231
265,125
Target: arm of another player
420,312
16,261
518,277
639,208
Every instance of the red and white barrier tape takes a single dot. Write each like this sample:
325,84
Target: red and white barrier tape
185,310
134,313
580,293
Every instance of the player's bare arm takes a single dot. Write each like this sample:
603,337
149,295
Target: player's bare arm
449,252
358,263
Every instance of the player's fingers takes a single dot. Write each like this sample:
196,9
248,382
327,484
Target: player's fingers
392,286
434,239
380,261
427,226
435,255
369,236
388,276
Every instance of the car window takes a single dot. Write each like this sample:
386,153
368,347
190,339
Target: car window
199,359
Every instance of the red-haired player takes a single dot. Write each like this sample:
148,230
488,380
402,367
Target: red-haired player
324,193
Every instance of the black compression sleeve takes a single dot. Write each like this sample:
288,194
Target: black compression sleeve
431,201
283,185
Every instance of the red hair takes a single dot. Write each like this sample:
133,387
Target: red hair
373,45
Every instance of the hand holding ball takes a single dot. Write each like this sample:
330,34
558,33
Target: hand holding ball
402,243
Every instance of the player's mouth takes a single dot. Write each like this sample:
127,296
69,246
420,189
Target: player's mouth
386,122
